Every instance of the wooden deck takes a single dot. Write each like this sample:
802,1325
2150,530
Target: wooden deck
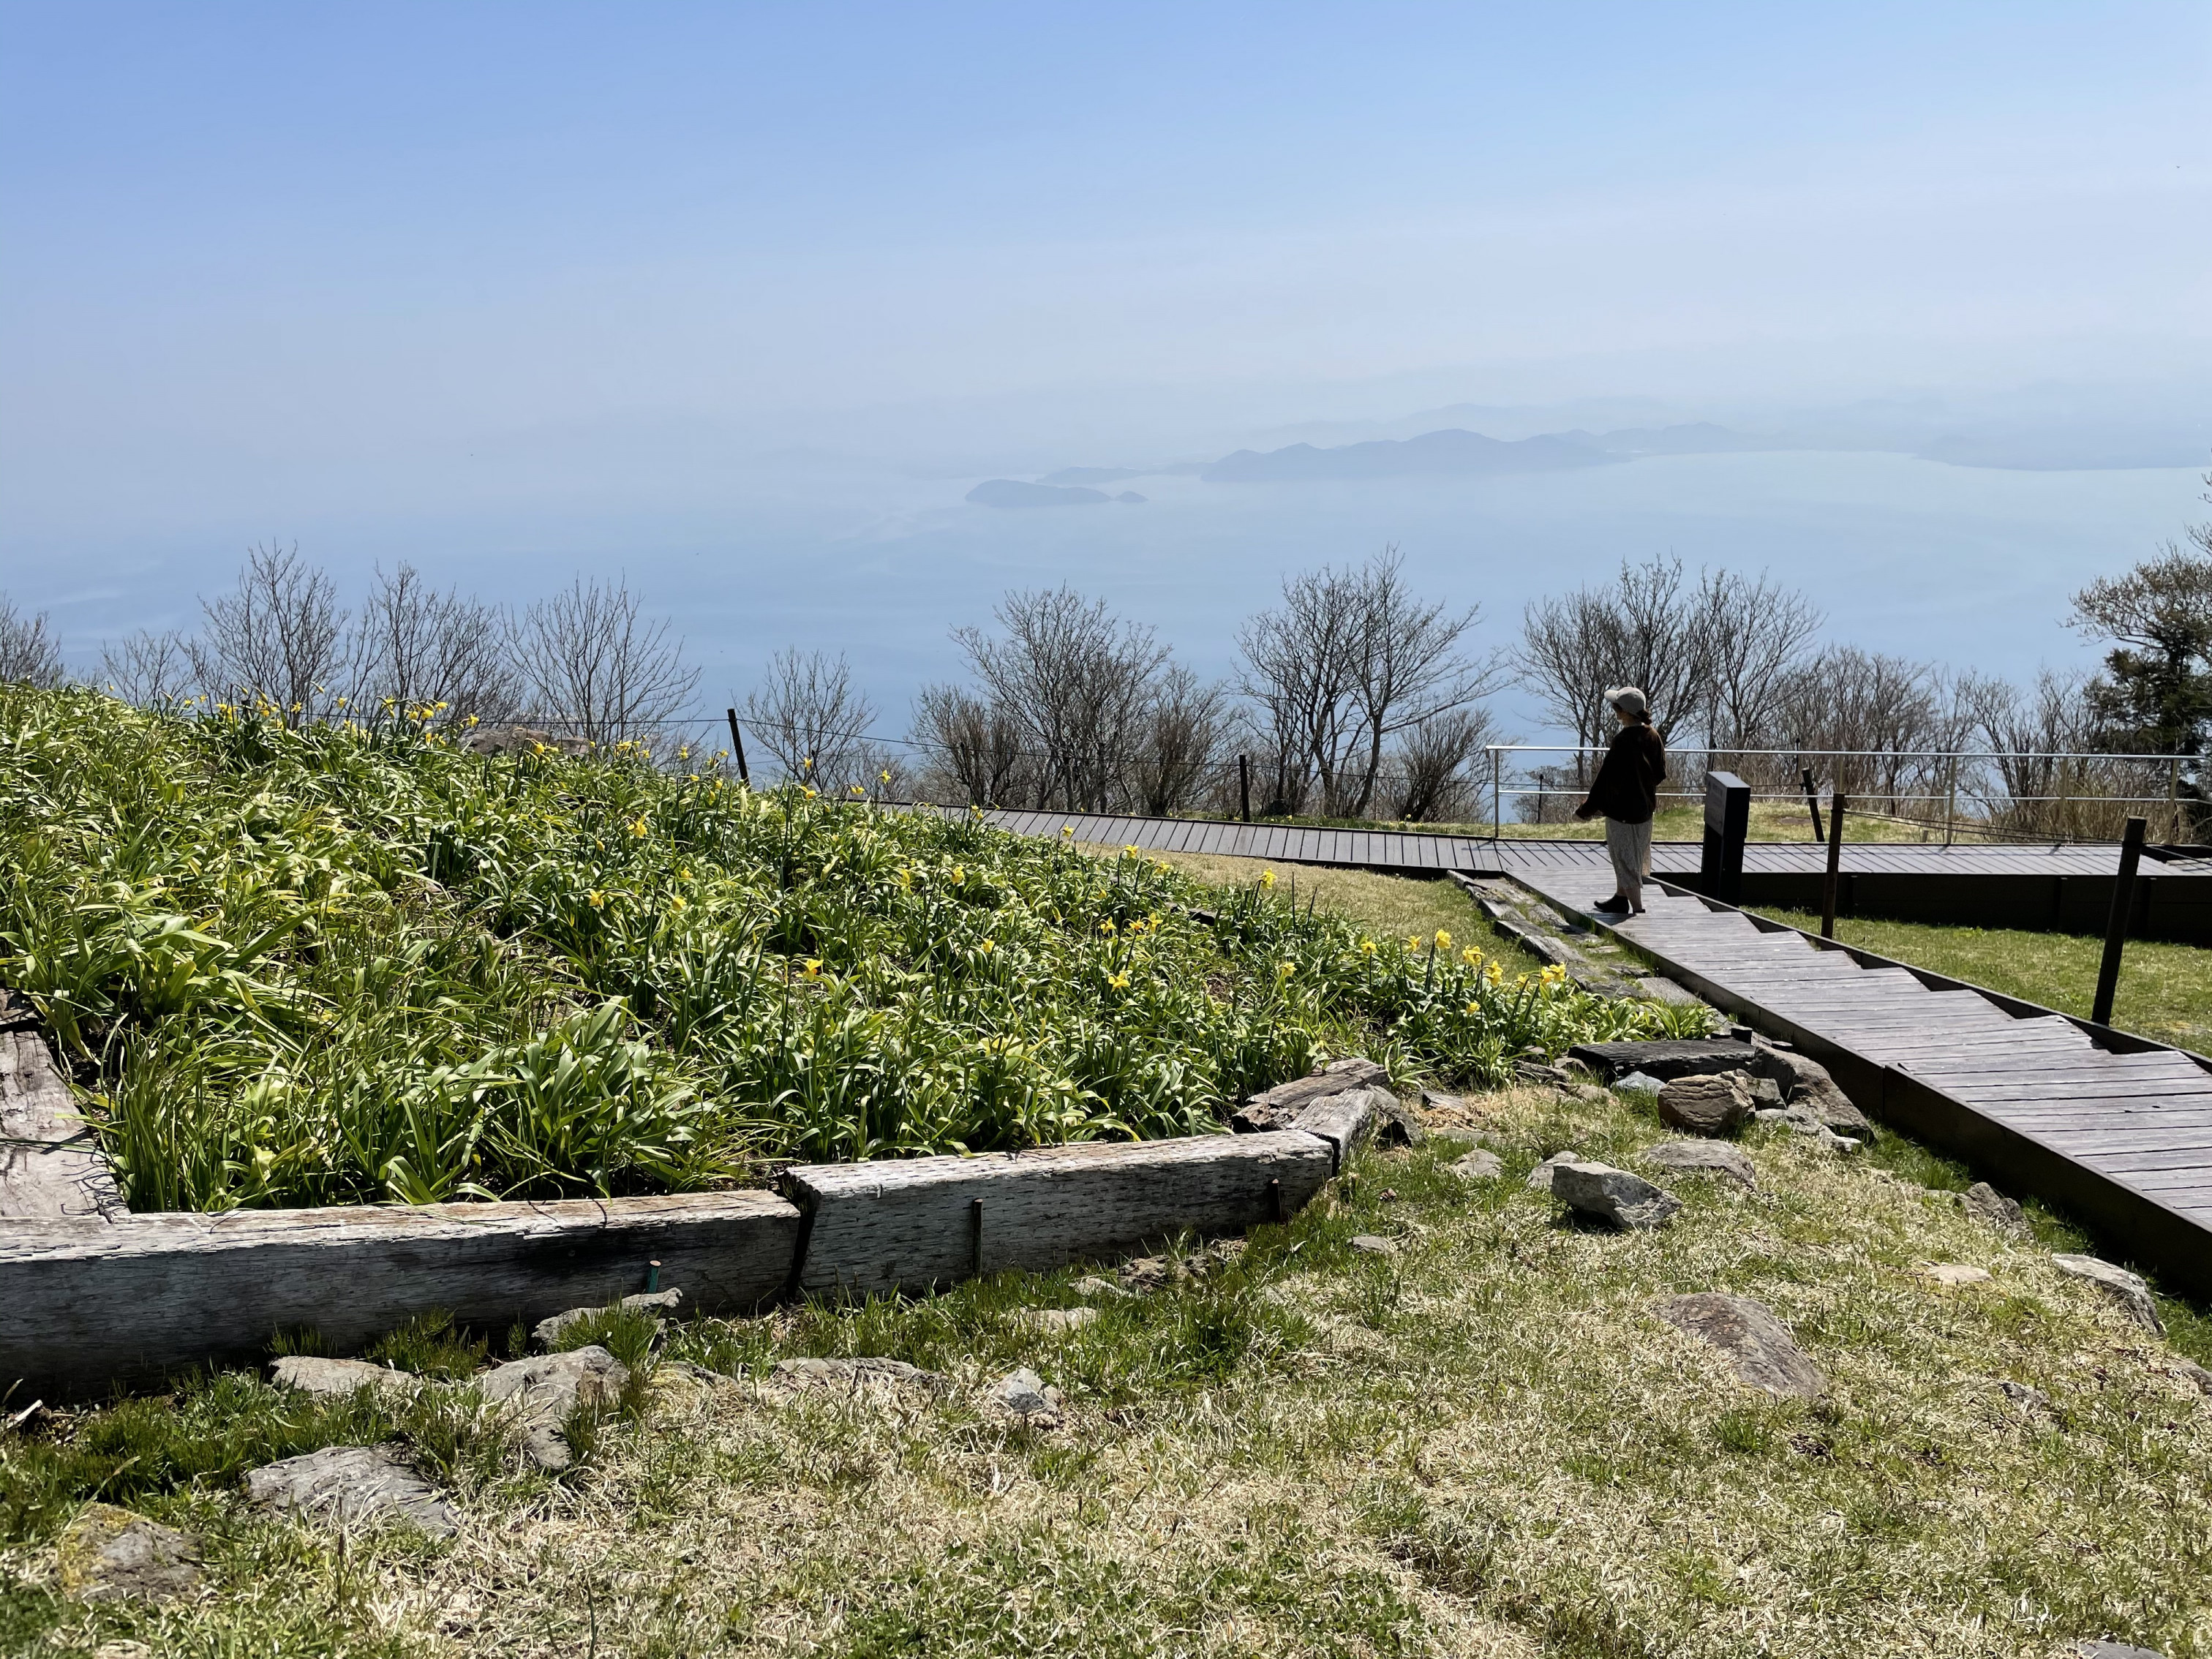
2064,887
2116,1128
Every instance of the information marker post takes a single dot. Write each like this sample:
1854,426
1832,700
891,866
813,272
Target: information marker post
1727,826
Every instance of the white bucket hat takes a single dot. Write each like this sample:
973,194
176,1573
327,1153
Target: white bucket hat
1629,699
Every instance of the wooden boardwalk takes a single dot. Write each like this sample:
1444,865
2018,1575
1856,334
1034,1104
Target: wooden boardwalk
2116,1128
2067,887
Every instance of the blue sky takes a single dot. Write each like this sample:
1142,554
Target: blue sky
293,266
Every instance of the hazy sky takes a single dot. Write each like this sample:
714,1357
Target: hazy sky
338,226
297,269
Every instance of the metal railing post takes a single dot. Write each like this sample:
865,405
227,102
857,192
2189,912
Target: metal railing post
1496,794
2115,928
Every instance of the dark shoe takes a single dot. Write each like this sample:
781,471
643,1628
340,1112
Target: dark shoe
1615,906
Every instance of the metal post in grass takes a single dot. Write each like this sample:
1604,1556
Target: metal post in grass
1833,878
2116,929
1244,785
1812,804
738,748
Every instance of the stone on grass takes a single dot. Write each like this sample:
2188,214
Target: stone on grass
1147,1272
311,1375
1757,1344
1058,1322
860,1375
2190,1371
1395,1122
1954,1273
2127,1291
546,1389
1280,1107
1638,1083
1716,1103
1804,1120
1805,1082
1614,1196
1092,1285
1370,1244
1985,1203
2027,1399
1712,1157
108,1554
1480,1164
549,1330
2114,1651
1539,1178
353,1483
1435,1100
1029,1397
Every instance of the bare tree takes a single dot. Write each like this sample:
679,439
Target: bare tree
30,652
275,640
1411,670
1432,763
1641,628
1181,736
597,669
1302,666
1755,634
808,713
415,648
977,747
1883,709
1075,679
154,670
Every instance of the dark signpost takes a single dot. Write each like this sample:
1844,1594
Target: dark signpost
1728,826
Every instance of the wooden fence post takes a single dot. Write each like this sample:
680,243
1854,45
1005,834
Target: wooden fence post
2115,928
1813,805
1830,882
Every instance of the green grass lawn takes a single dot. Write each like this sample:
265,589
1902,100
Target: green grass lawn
1485,1444
2165,990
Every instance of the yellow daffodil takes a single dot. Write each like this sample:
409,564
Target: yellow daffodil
1412,941
1285,970
1495,973
638,829
1107,926
1267,878
1470,956
1136,926
814,967
599,899
1367,947
676,903
1120,981
1444,939
988,947
809,794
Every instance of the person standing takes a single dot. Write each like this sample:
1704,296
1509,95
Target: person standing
1626,792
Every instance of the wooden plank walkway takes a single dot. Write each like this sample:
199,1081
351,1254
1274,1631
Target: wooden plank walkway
2116,1128
2067,887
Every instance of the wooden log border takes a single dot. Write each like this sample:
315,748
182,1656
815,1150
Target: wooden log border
91,1304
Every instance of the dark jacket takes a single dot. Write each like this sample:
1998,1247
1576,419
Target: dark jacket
1627,786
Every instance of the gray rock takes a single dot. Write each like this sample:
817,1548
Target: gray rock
1757,1344
1714,1158
1665,1058
1437,1100
546,1389
1535,1070
353,1483
2027,1399
2114,1651
1954,1273
550,1329
1762,1091
1147,1272
1985,1203
1092,1285
522,739
1059,1321
1395,1123
860,1376
311,1375
112,1554
1370,1244
1613,1196
1804,1120
1028,1396
1480,1164
1806,1083
1638,1083
2127,1291
2190,1371
1539,1178
1713,1104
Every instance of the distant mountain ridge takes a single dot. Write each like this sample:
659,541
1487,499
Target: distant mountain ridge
1457,453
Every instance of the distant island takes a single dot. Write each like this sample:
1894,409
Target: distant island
1013,492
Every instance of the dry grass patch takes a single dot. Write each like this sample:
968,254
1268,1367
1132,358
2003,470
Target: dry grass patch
1485,1444
1390,907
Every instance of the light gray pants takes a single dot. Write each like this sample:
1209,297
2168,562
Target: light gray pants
1630,847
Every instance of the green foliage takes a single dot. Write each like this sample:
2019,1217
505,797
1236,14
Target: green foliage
336,965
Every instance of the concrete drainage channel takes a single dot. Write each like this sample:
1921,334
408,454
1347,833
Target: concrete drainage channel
99,1298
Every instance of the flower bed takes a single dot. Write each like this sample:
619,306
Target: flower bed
332,966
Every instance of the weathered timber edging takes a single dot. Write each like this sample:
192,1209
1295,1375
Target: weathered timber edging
913,1224
92,1305
94,1297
